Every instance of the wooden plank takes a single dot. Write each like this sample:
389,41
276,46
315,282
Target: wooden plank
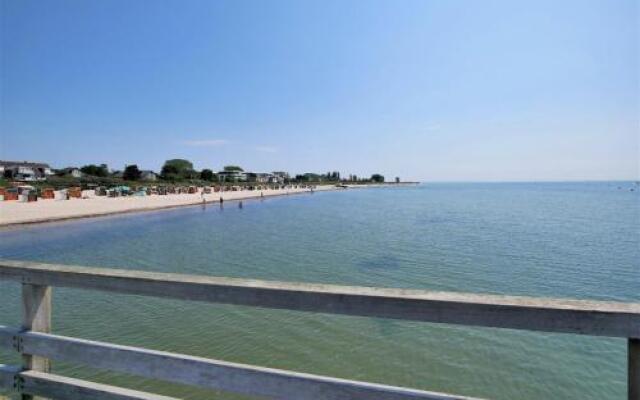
213,374
6,337
7,375
36,317
634,369
59,387
613,319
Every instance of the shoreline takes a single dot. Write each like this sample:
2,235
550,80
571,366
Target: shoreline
15,214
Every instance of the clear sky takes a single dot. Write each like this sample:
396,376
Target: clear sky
429,90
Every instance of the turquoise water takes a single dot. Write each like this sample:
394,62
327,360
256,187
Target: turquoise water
576,240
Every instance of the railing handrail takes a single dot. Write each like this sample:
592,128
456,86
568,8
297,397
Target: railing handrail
598,318
206,373
587,317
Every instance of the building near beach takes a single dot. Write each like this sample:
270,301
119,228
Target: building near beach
263,177
232,176
148,175
70,171
25,171
280,176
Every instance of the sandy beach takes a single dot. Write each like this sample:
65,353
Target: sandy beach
16,213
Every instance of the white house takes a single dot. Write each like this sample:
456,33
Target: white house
25,171
232,176
264,177
280,176
148,175
71,171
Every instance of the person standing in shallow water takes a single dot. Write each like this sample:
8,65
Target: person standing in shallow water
240,204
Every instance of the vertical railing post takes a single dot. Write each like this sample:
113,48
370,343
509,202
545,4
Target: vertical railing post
36,317
634,369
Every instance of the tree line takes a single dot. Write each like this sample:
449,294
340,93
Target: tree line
181,170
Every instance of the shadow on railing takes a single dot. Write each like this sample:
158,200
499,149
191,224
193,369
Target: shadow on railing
37,346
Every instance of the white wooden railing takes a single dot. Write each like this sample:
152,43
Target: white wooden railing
38,346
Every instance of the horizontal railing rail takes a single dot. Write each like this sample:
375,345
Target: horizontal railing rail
597,318
61,387
203,372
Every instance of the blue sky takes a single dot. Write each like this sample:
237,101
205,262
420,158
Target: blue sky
429,90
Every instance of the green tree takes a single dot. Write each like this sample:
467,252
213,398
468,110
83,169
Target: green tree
177,169
131,173
377,178
96,170
232,168
207,175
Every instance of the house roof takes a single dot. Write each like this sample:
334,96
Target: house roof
23,164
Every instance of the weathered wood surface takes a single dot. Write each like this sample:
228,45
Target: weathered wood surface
634,369
36,317
7,375
59,387
6,337
212,374
538,314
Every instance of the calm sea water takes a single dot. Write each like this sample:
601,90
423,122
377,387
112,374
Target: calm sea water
575,240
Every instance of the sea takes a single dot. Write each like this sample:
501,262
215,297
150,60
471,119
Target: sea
578,240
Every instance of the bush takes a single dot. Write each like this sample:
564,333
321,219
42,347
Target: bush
96,170
177,169
377,178
131,173
207,175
